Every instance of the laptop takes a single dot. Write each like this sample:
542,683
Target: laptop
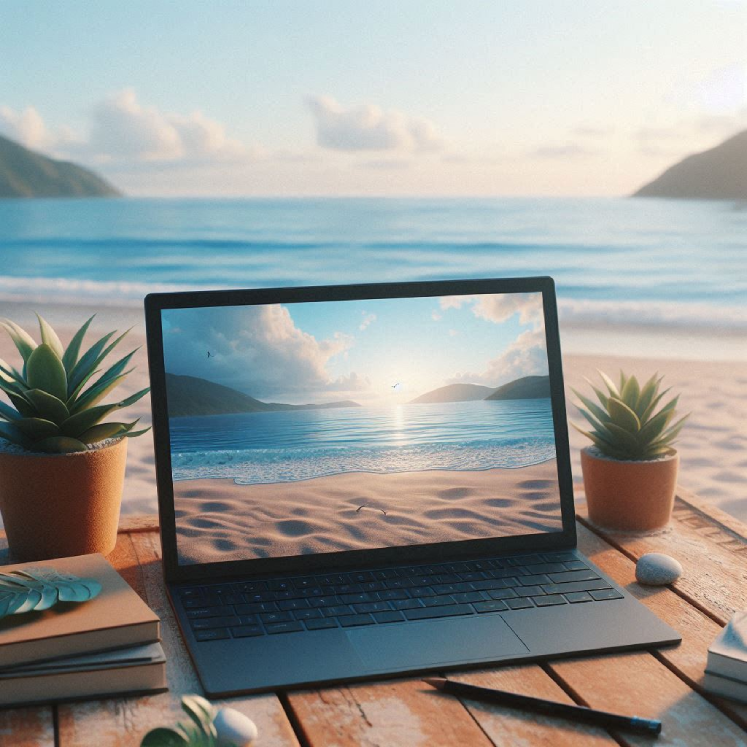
362,481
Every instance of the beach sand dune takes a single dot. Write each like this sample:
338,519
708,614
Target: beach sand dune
218,519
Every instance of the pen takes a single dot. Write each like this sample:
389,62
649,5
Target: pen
549,707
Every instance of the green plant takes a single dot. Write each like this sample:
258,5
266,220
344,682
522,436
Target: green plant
626,423
53,409
199,732
36,589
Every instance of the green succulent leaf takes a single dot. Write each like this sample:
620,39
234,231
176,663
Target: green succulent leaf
60,445
8,413
611,388
201,712
21,339
646,396
49,337
623,416
102,431
96,392
48,406
85,367
655,427
37,589
10,374
70,357
37,428
593,408
82,421
10,433
135,434
630,391
44,370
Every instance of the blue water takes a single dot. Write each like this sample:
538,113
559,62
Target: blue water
269,447
685,260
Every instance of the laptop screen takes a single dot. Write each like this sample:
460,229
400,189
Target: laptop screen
308,428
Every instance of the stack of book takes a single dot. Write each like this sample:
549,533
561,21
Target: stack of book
726,670
109,645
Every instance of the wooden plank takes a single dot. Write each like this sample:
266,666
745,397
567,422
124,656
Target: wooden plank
27,727
138,523
395,713
123,721
713,556
509,726
698,631
639,684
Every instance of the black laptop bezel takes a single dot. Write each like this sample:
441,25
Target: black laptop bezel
174,573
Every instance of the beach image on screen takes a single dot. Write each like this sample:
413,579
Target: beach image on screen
331,426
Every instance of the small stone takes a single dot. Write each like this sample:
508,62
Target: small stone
657,569
234,728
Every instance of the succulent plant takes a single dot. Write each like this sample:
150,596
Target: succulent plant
626,423
55,406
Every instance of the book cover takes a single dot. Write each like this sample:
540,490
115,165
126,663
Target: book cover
116,618
727,655
136,669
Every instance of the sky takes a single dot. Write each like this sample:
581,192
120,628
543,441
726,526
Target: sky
339,97
374,352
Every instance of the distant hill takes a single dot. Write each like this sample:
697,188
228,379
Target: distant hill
454,393
24,173
716,174
528,387
189,396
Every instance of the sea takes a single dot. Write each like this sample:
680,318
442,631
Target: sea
657,264
287,446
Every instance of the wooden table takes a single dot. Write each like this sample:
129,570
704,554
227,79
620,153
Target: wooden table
663,684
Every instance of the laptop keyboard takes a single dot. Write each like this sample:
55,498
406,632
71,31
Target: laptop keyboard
390,595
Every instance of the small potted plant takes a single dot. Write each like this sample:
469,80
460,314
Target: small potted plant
630,471
61,467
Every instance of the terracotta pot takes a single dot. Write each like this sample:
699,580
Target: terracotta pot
56,505
629,496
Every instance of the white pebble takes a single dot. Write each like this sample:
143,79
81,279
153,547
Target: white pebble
657,569
234,728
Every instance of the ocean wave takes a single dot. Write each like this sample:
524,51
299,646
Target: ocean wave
261,466
573,312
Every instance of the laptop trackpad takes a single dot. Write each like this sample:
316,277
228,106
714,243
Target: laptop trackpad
435,642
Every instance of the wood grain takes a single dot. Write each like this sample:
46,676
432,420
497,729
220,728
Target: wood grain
398,713
713,555
122,722
509,726
27,727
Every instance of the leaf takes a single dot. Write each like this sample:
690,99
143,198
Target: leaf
595,409
668,436
21,339
623,439
85,366
602,397
201,712
115,372
630,391
623,416
646,397
48,406
10,433
653,429
102,431
611,388
135,434
7,412
70,357
96,393
9,374
36,589
60,445
164,737
79,423
37,428
45,371
49,337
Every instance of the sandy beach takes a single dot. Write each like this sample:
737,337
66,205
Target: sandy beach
220,520
713,445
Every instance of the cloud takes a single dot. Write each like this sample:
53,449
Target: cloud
26,127
525,356
369,128
256,349
499,307
367,319
569,150
123,128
